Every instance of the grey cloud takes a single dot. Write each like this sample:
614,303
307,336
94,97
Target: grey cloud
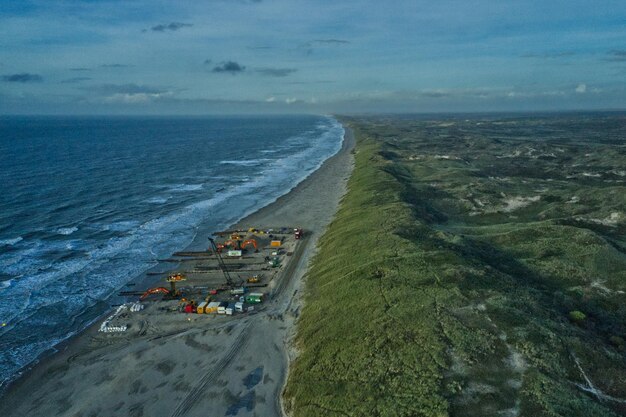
276,72
229,67
75,80
617,55
310,82
207,61
549,55
332,41
172,27
80,69
260,48
23,77
435,94
129,88
114,66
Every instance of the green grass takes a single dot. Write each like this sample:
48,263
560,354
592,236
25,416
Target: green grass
419,305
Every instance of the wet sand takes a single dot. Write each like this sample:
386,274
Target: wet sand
191,365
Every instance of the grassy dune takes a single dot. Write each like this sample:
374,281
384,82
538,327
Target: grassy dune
467,275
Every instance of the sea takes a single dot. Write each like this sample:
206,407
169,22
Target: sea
88,204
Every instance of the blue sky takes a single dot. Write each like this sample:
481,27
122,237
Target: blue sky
294,56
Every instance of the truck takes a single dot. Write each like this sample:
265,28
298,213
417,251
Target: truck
239,307
298,233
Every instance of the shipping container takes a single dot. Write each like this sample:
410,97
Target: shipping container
275,243
239,307
238,291
234,253
212,307
202,307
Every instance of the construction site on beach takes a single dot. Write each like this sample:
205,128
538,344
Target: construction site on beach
238,273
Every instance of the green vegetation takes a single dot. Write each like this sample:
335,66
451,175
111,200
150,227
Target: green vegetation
452,278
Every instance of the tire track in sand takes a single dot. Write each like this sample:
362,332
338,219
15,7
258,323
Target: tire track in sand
192,398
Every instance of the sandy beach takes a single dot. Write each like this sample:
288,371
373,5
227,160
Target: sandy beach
190,365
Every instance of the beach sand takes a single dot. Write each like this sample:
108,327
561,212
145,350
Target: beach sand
190,365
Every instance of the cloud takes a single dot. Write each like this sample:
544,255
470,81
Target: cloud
207,61
75,80
548,55
331,41
80,69
23,77
229,67
129,88
581,88
172,27
131,93
617,55
115,66
275,72
435,94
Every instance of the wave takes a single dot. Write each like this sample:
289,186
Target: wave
11,242
245,163
157,200
180,188
66,230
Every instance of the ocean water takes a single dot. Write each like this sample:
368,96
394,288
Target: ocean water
88,204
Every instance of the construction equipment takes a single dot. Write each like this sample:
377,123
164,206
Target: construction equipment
156,290
253,279
173,279
234,244
222,265
249,242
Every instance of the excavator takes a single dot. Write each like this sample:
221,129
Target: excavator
172,292
249,242
156,290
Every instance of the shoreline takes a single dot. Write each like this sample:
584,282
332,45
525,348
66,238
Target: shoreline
282,208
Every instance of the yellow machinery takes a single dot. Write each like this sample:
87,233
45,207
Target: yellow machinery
173,279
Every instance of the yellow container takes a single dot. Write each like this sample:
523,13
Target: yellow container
212,307
202,307
275,243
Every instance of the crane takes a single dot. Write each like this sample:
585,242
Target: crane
220,261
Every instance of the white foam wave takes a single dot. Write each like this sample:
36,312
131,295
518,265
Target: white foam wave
10,242
121,226
245,163
66,230
157,200
5,284
181,188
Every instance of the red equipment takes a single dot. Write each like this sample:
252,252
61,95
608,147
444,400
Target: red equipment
156,290
248,243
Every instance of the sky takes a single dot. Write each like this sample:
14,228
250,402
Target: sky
304,56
